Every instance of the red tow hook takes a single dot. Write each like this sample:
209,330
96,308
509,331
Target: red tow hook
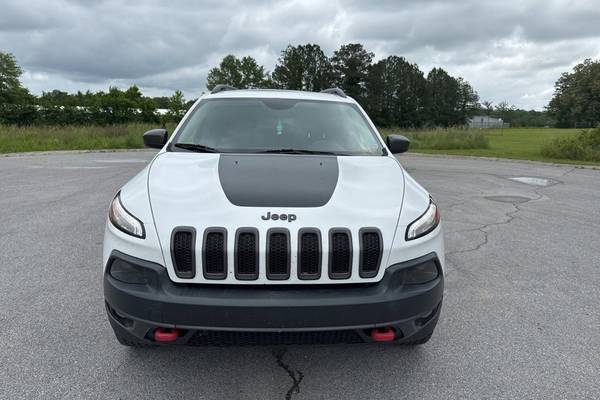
165,334
386,334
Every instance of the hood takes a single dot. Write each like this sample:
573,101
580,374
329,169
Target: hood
245,190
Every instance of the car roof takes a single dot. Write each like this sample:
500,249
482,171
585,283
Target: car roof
277,94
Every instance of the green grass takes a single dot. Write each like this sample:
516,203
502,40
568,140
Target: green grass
37,138
583,146
448,139
514,143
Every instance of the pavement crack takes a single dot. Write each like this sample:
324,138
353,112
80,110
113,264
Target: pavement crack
568,171
296,375
511,216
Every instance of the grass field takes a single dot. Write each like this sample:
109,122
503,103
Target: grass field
516,143
22,139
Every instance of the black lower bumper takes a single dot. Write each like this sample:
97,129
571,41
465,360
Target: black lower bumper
137,309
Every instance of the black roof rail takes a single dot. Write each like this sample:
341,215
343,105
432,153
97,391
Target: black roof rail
335,91
222,88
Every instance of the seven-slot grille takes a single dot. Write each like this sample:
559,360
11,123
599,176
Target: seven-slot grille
247,248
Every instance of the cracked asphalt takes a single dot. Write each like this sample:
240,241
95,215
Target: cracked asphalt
521,316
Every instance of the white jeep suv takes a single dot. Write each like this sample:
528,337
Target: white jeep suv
273,217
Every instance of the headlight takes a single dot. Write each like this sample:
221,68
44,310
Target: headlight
123,220
425,223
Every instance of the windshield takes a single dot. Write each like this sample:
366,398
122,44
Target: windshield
277,125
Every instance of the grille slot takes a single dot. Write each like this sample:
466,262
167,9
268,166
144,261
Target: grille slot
340,253
309,254
235,338
246,254
183,249
214,253
278,254
371,249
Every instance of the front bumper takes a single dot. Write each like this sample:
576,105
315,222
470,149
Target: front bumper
137,309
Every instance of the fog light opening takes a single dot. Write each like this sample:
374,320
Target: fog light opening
127,273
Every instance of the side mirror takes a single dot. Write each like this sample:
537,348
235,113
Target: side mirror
156,138
397,143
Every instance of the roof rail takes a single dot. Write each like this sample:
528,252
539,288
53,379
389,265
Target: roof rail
335,91
222,88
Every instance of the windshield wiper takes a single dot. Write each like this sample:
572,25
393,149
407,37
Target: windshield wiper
196,147
300,151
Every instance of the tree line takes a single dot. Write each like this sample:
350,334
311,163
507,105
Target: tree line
394,91
576,100
115,106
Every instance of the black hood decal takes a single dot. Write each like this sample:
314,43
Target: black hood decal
275,180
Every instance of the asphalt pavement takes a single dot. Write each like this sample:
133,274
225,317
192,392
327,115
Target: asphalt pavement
521,315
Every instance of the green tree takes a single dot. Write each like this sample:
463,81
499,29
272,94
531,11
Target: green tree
244,73
56,98
161,102
487,107
504,110
177,107
303,67
16,104
576,100
133,93
443,99
351,65
115,107
468,102
147,110
395,93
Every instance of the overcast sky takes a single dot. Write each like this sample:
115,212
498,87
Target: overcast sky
510,50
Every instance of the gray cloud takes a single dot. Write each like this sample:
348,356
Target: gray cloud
512,50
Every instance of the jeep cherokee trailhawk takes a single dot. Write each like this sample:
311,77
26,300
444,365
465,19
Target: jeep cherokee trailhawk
273,217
